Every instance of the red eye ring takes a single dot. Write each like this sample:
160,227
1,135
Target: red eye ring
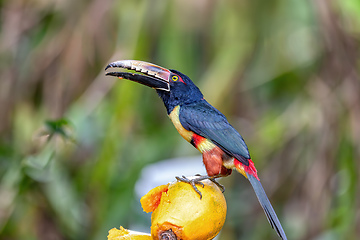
176,78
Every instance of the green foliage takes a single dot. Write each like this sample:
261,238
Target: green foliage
73,142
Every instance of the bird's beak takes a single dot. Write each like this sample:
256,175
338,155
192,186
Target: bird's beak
152,75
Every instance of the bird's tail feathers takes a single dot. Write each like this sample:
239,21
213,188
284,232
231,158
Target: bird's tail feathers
266,205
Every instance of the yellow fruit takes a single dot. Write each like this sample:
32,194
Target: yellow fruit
181,210
124,234
151,200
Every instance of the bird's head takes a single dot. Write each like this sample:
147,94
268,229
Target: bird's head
173,87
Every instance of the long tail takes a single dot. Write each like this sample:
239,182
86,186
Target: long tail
266,205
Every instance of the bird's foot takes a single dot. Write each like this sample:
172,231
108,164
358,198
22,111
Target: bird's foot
213,179
198,180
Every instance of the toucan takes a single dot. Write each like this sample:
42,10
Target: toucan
206,128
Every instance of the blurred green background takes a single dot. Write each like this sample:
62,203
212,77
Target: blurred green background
73,142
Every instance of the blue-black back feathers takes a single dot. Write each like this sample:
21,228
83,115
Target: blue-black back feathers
206,121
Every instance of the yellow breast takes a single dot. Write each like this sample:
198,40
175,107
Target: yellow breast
202,144
174,117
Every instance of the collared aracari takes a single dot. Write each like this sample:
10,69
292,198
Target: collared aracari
206,128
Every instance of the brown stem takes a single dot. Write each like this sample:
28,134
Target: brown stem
167,235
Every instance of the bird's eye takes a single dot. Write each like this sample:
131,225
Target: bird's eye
175,78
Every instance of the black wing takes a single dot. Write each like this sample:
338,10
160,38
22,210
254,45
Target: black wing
206,121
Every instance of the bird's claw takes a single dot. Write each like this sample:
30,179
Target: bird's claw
192,182
213,179
198,180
